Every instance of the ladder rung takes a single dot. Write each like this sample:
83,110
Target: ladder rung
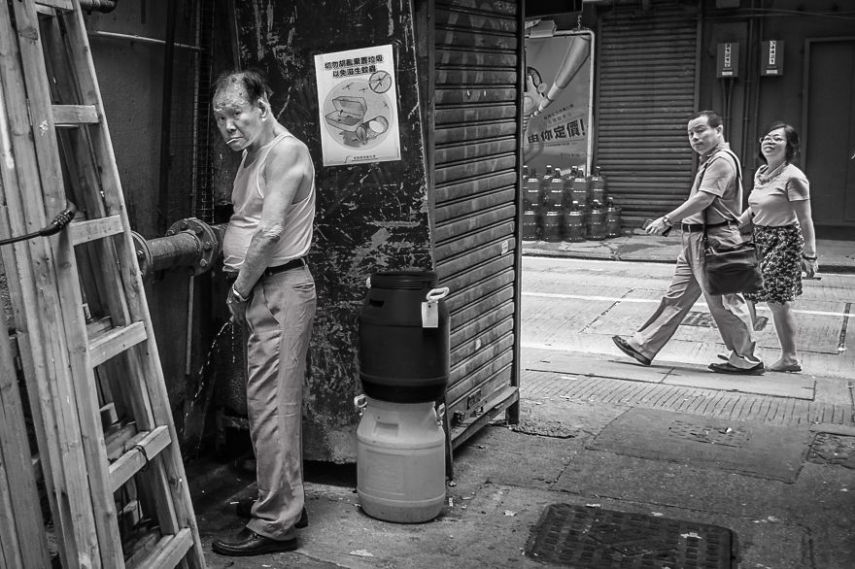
92,229
74,115
152,442
116,439
168,552
114,342
59,4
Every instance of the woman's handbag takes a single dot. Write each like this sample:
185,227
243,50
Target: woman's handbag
733,269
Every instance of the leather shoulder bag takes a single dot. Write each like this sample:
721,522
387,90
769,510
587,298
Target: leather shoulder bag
731,270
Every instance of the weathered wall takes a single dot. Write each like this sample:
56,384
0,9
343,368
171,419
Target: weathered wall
370,217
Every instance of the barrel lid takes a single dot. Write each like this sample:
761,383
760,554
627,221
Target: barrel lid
409,280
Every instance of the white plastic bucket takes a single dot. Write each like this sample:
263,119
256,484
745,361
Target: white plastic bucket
400,460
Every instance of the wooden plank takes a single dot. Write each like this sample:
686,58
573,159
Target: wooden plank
66,5
93,229
170,550
48,378
22,535
117,340
74,115
143,448
495,8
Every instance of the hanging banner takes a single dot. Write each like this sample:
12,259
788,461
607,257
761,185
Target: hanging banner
557,101
357,100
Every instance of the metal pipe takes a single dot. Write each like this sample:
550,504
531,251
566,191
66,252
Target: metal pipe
141,39
166,115
189,243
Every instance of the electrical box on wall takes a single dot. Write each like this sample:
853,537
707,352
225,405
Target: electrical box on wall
727,60
772,58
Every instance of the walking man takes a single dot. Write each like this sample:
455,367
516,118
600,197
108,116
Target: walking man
273,294
714,201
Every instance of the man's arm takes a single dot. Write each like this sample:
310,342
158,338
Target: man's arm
284,173
715,181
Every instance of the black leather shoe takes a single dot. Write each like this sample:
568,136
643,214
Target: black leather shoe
250,543
727,367
244,510
630,351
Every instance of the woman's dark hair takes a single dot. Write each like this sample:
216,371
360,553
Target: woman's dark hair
792,140
252,81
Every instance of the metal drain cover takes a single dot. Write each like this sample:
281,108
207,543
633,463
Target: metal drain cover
584,537
829,448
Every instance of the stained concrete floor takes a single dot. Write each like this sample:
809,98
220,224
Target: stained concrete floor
507,475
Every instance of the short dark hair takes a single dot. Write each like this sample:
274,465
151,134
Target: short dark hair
792,139
713,118
251,80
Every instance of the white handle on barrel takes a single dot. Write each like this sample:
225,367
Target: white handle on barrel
360,402
437,294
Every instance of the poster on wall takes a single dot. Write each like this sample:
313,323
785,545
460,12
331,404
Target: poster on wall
557,101
357,100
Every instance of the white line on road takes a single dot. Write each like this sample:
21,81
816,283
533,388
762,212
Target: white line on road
652,301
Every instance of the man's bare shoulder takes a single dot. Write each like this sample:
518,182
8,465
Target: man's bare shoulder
290,152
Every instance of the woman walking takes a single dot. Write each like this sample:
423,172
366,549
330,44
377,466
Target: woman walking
779,210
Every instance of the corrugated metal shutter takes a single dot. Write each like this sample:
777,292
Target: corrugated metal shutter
645,94
476,176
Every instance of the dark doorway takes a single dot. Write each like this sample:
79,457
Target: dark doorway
830,134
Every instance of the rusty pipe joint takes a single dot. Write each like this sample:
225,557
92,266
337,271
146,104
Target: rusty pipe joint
189,243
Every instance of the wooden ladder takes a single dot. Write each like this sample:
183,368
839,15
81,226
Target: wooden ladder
81,317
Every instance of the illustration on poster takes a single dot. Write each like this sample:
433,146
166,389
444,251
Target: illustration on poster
536,98
357,110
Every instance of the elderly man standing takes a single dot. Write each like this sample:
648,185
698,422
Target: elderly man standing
714,203
273,293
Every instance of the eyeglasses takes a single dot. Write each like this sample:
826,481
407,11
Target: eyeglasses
777,139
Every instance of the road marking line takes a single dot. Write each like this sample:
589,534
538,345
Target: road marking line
844,314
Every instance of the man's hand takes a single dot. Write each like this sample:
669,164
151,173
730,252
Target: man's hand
658,226
237,306
810,267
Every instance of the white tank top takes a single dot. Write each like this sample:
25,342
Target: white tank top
248,193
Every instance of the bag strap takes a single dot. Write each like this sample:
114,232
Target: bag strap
733,216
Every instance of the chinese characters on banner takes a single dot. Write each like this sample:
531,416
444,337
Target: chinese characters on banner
556,102
358,104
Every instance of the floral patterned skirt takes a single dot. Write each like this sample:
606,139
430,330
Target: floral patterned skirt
780,252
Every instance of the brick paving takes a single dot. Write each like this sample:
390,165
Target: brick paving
697,401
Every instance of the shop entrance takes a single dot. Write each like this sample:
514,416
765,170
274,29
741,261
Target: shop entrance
829,144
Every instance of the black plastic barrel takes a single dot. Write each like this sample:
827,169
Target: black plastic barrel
400,359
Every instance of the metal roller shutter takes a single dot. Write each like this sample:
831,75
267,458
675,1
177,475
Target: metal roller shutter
645,93
476,179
